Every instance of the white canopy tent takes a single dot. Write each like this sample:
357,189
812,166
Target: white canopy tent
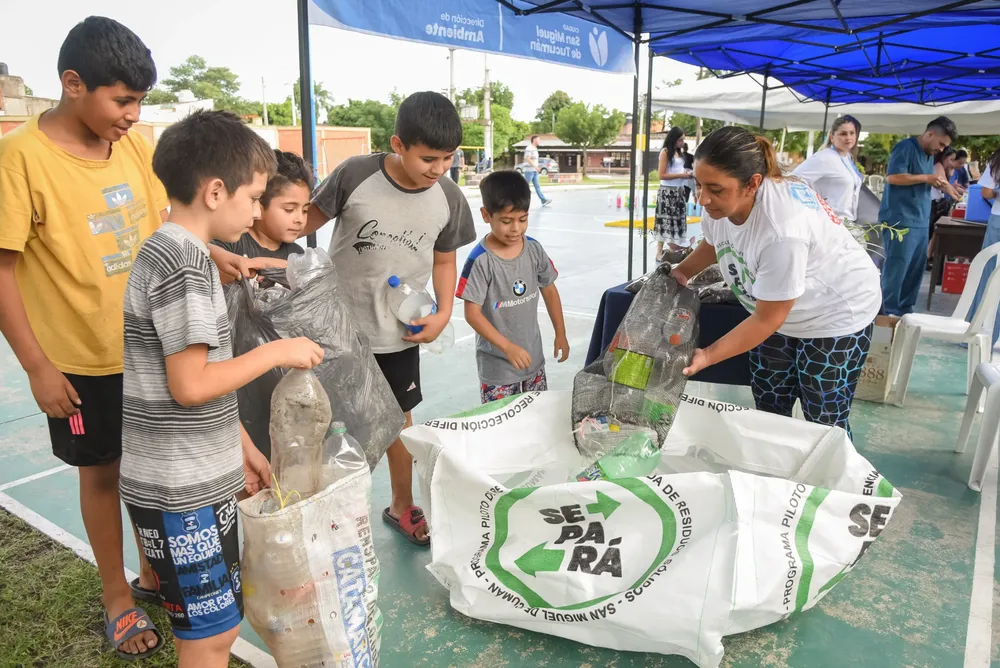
738,100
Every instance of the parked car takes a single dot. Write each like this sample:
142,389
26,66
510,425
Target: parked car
545,166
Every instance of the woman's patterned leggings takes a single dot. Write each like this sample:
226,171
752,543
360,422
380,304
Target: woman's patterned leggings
821,373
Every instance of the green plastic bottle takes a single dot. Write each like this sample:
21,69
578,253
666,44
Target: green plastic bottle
636,456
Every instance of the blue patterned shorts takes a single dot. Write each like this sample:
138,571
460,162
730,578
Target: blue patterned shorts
490,393
821,373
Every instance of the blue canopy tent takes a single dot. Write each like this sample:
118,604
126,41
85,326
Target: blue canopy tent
836,51
475,25
923,51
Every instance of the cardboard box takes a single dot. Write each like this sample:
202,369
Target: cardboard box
956,272
875,381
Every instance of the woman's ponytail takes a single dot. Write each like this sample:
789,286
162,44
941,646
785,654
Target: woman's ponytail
771,166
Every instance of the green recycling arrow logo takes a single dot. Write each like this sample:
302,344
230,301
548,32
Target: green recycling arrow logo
605,505
582,559
538,559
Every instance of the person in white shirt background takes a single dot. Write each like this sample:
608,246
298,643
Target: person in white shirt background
811,289
671,199
532,170
832,171
990,180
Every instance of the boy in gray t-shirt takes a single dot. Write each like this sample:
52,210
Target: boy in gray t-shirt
500,284
396,216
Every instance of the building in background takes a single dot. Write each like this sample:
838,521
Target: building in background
14,100
333,144
613,158
171,112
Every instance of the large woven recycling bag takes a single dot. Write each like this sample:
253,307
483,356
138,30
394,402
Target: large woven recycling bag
748,519
310,577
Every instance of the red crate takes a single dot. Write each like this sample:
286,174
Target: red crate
956,271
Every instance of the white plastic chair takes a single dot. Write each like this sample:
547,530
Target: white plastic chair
959,328
987,377
876,183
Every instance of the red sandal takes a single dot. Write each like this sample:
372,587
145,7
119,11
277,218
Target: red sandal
408,524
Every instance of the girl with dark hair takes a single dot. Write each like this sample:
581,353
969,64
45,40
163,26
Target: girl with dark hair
832,172
671,202
944,166
811,289
990,180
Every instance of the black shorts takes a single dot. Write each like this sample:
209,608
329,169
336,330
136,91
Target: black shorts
196,558
94,435
402,370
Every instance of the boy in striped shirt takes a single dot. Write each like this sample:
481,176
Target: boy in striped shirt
185,455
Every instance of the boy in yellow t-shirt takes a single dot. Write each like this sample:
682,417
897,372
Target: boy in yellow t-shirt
77,199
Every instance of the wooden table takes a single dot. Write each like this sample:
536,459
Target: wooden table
953,238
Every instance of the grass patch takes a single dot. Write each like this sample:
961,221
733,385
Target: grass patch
50,607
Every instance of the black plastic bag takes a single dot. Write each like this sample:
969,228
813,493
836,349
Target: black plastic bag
252,329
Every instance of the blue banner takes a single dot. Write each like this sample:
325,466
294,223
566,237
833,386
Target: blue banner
483,25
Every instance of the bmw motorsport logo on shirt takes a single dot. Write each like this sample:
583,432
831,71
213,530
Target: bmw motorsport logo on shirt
541,537
519,288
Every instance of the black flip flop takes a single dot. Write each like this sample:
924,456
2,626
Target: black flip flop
140,593
127,625
408,524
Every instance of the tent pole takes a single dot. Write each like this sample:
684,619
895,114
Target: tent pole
636,36
647,125
763,100
826,110
306,107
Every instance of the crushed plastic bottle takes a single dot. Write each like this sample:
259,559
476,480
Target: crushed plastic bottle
300,417
679,326
635,456
341,457
409,303
304,267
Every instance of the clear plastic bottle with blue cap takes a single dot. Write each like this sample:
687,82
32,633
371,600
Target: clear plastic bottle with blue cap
410,303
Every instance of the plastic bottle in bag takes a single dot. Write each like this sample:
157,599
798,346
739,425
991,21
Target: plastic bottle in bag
300,417
631,357
679,326
342,456
635,456
409,303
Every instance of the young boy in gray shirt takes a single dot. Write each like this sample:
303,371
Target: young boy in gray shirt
500,284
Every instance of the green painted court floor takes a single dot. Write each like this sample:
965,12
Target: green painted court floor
907,604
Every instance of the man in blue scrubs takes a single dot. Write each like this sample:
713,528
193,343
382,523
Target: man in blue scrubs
906,204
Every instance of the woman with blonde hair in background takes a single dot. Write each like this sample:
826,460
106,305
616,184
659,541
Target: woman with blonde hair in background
832,171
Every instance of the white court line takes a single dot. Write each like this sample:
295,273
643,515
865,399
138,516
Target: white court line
241,648
36,476
979,636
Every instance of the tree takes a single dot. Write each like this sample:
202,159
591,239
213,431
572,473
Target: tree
207,83
689,124
28,91
980,148
219,84
160,96
500,95
378,116
322,98
586,127
876,150
549,111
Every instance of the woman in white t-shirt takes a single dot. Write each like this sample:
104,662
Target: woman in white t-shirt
990,181
832,172
671,202
812,291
